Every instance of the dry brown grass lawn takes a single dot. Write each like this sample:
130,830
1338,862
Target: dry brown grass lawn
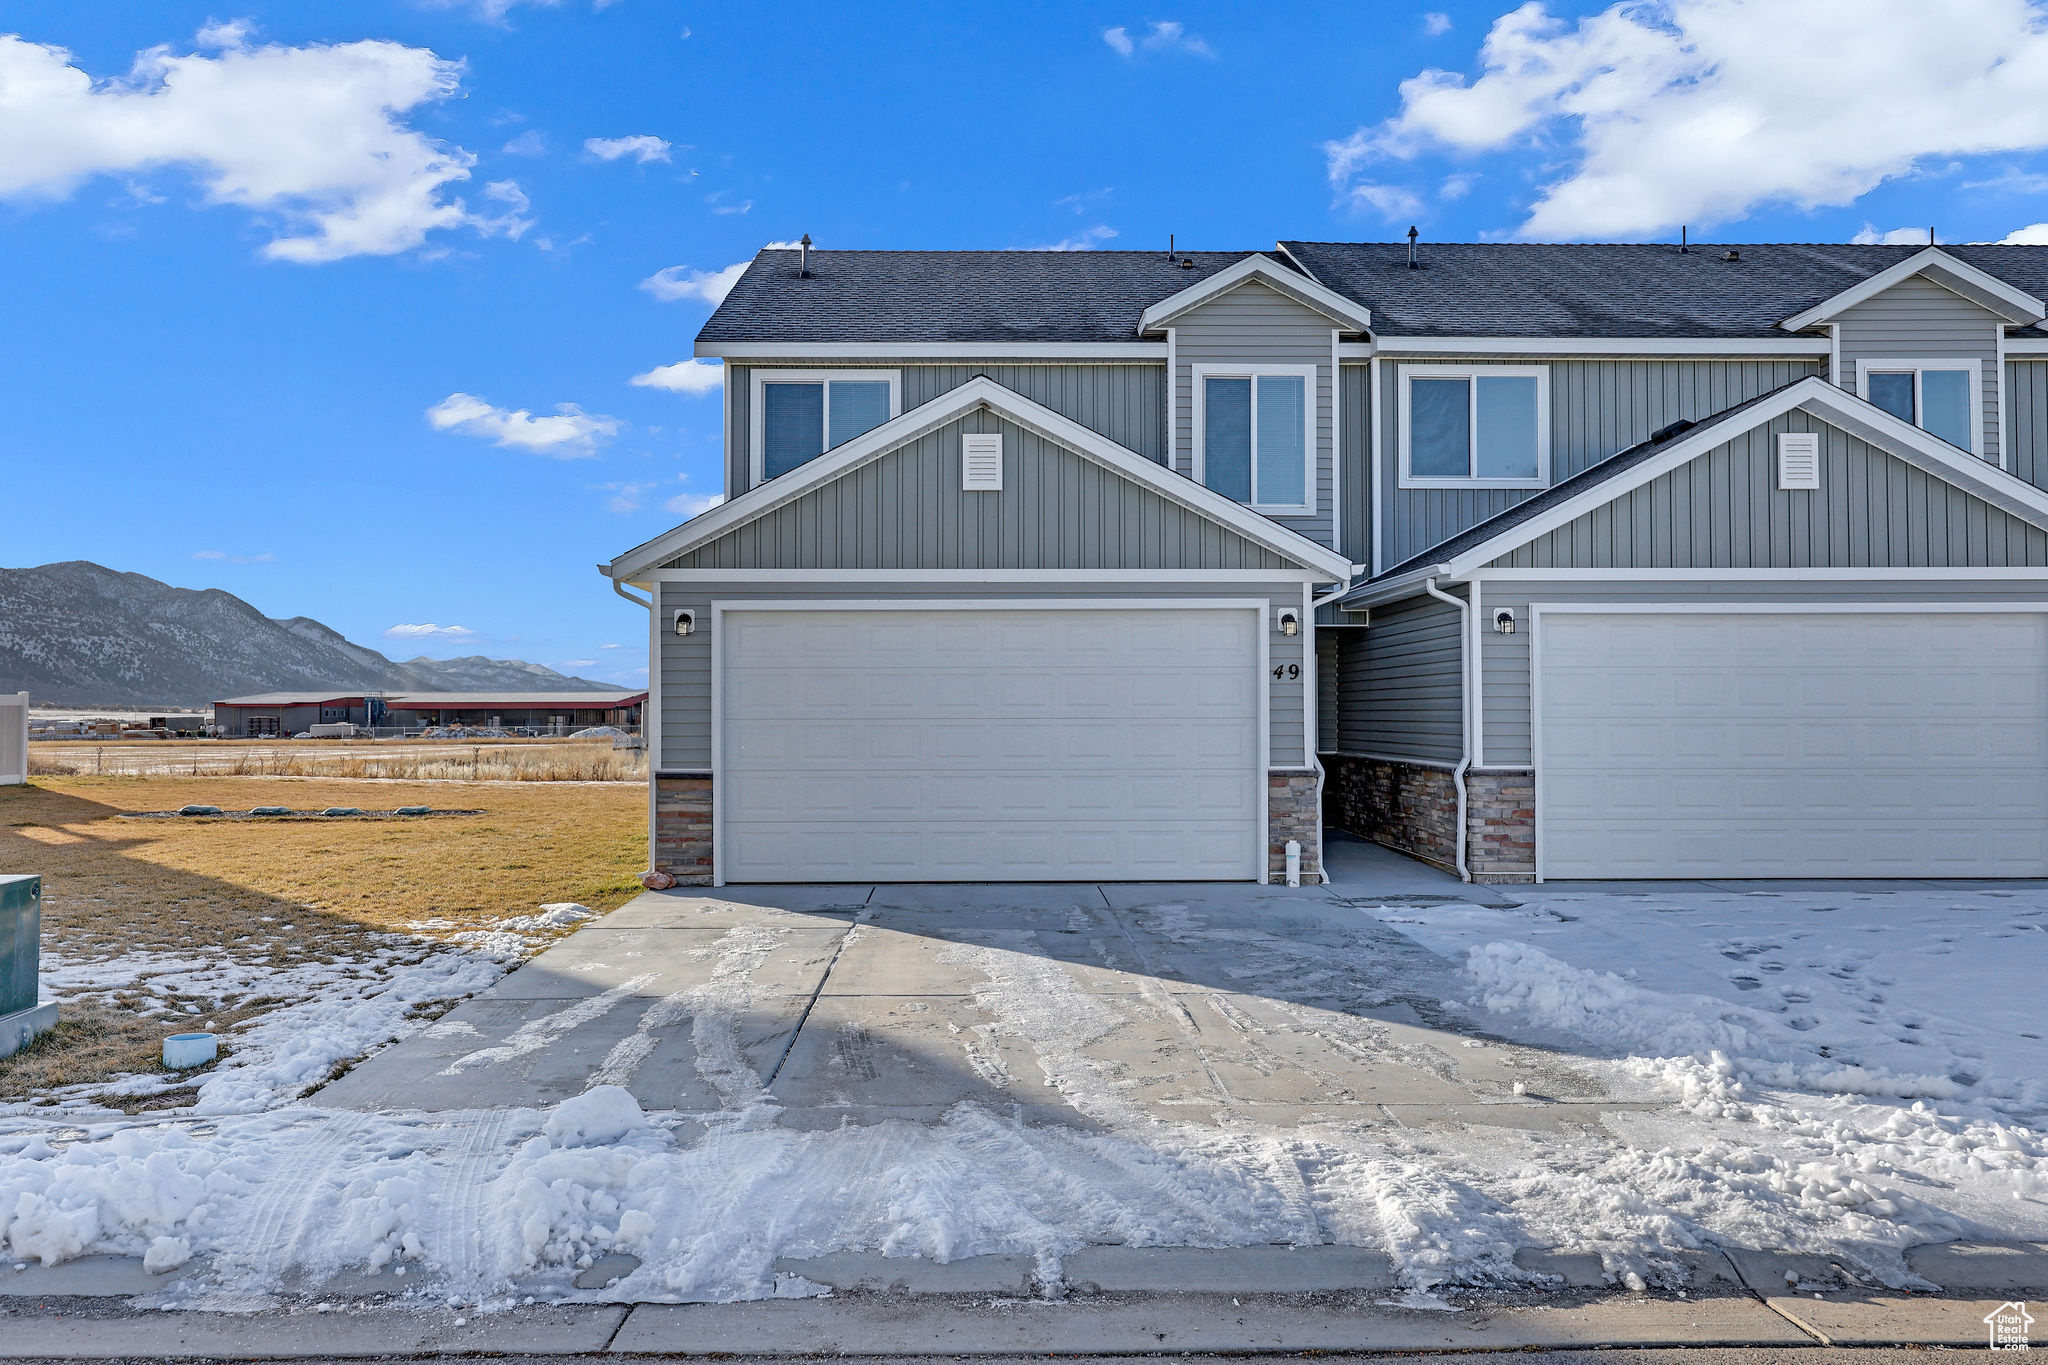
287,891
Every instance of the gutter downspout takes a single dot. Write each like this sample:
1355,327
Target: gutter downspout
1464,710
1315,761
650,711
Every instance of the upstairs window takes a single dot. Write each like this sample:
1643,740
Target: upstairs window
1475,428
1938,396
798,415
1254,446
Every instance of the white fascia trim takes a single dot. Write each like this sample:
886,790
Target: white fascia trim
1304,291
1281,247
1833,405
932,350
840,577
1568,346
2025,307
1779,608
1909,574
926,417
2026,348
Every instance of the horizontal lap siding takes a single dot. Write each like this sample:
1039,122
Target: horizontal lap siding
1399,683
906,510
1254,325
2026,392
686,660
1725,510
1917,319
1124,401
1505,734
1598,408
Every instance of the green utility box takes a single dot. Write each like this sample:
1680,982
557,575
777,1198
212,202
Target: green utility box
21,934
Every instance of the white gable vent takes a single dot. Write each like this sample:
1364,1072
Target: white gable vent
981,463
1798,460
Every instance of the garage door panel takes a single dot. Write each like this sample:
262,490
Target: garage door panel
1020,745
1797,744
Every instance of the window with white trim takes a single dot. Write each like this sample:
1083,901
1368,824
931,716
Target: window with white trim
1477,427
1252,443
1938,396
798,415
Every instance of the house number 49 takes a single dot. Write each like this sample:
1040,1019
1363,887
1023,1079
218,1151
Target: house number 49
1287,672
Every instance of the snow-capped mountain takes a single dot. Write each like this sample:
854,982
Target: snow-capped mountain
78,634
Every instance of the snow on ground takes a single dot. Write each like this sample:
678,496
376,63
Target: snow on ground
1850,1074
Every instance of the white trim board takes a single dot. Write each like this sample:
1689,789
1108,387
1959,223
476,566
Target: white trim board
1581,346
1943,573
1311,451
1049,351
1988,291
977,393
1261,607
1120,577
1837,407
1351,316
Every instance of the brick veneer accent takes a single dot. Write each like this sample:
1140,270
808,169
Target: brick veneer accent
1414,808
682,829
1500,826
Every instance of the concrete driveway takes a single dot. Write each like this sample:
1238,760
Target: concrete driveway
1081,1003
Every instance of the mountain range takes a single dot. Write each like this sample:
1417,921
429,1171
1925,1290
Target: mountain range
80,634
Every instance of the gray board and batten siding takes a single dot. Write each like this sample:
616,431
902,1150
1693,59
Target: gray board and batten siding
1399,684
1123,400
906,510
2026,396
1255,325
686,660
1723,510
1917,319
1598,408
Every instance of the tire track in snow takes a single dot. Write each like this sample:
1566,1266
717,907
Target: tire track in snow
536,1034
713,1009
288,1213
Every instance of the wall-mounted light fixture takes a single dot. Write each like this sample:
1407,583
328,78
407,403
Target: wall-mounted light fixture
1504,620
1287,621
686,622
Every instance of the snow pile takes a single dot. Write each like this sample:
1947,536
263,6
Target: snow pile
601,732
603,1113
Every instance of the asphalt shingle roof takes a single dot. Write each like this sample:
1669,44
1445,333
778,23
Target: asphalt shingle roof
1462,289
1505,289
954,295
1590,477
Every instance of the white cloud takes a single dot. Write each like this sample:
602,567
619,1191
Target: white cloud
1456,186
1165,35
429,631
625,497
513,222
214,33
569,433
1388,201
1435,24
2034,234
1699,111
227,558
311,138
1905,236
1086,240
576,663
784,246
492,11
532,142
642,147
719,205
687,505
608,646
694,377
681,282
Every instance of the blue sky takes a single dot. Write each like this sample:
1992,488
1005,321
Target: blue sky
298,293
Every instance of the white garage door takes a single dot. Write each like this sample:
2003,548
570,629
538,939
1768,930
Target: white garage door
990,745
1679,744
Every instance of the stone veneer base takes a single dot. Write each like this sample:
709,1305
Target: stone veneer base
682,826
1413,808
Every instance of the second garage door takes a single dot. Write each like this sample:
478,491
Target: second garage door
1767,744
990,744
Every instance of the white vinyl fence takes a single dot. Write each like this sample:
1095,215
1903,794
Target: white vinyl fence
13,739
